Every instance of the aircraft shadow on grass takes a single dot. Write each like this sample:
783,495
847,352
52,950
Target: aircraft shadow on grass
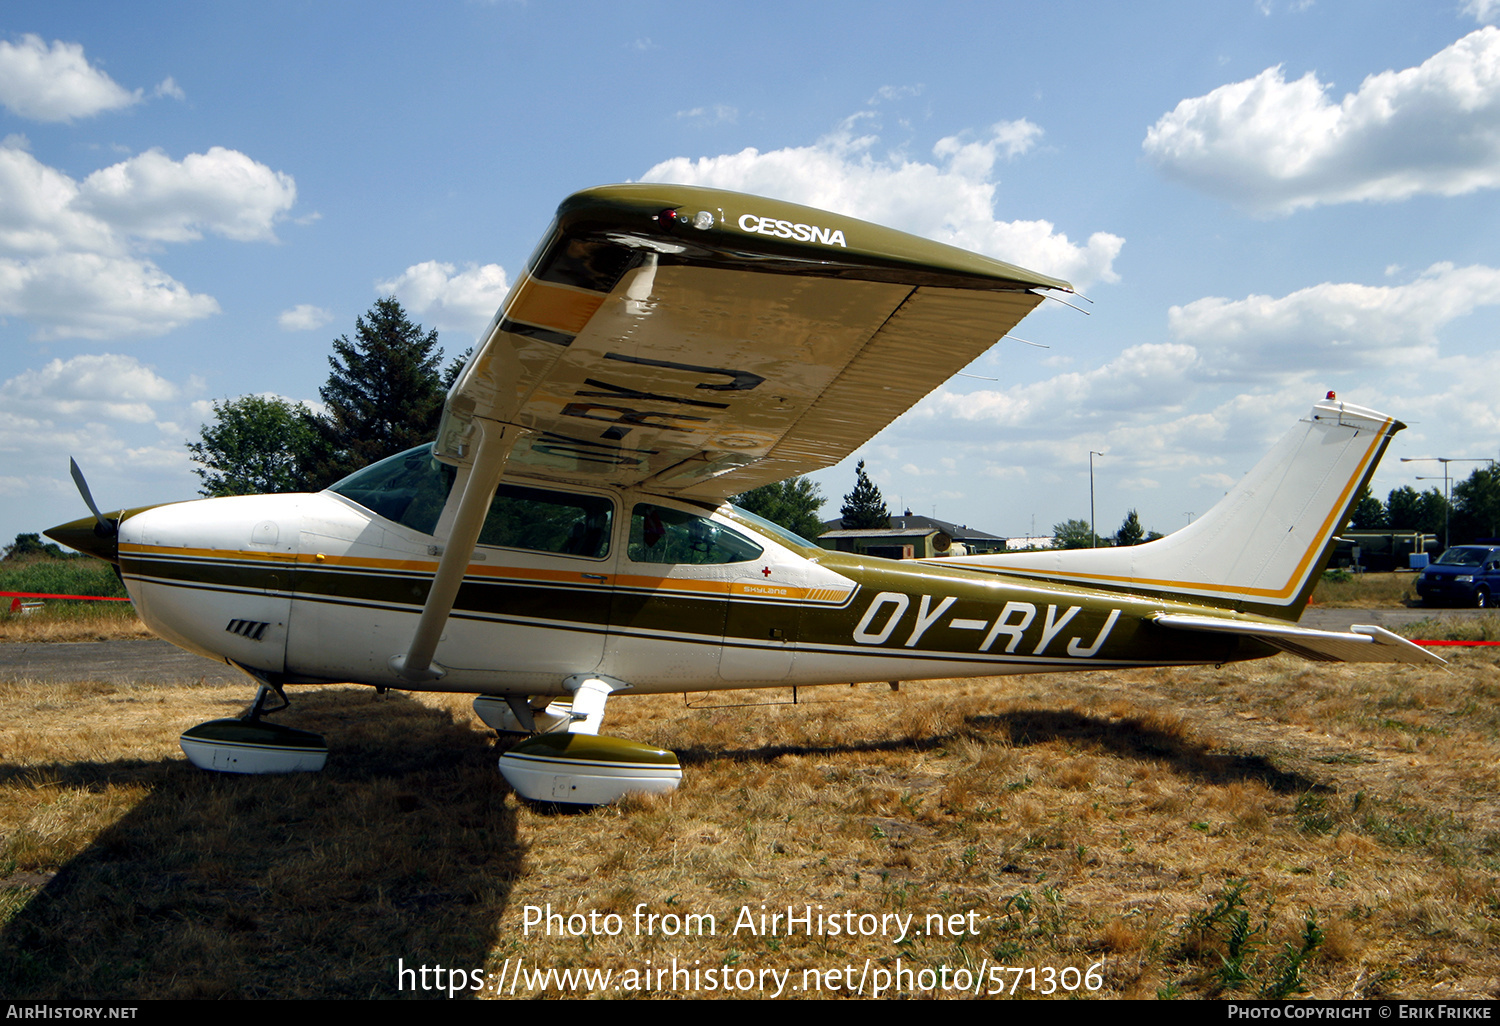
1124,739
307,885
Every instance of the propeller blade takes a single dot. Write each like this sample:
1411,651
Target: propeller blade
105,527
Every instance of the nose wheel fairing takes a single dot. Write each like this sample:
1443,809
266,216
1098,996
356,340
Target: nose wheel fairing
249,744
253,746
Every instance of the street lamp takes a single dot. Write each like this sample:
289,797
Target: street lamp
1093,534
1445,460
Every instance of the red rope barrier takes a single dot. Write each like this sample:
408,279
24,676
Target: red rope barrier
1417,641
17,596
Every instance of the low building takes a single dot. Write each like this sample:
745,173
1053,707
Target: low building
909,536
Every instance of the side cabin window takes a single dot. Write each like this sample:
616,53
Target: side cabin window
542,521
662,535
408,488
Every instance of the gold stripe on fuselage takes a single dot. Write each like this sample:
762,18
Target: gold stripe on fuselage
756,590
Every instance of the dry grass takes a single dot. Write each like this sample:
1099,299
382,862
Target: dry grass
74,621
1366,591
1278,828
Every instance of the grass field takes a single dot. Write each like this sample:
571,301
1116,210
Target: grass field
1272,829
1366,591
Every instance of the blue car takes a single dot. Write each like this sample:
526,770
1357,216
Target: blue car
1463,575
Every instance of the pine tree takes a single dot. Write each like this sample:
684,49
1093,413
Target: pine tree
385,395
864,507
1130,532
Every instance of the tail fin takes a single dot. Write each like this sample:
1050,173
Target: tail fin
1262,547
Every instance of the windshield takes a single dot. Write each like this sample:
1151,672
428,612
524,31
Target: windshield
1463,556
776,531
408,488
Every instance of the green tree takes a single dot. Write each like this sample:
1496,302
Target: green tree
793,503
1072,534
255,444
1476,506
31,545
1130,532
1410,510
454,369
864,508
385,395
1369,513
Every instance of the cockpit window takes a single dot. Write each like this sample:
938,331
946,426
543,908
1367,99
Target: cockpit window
662,535
409,488
542,521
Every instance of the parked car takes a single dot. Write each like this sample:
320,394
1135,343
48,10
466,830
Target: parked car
1463,575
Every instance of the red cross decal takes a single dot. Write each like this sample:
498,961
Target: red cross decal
766,571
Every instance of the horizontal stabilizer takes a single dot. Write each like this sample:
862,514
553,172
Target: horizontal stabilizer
1364,643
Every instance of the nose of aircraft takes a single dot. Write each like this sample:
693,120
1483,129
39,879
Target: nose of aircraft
89,536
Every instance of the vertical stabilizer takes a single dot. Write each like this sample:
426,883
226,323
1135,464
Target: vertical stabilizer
1262,547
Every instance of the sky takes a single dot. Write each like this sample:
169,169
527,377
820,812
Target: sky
1262,200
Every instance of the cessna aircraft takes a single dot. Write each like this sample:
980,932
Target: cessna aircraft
567,536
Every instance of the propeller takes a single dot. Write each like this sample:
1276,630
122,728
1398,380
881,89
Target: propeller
104,528
98,536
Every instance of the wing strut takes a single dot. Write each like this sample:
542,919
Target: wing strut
492,449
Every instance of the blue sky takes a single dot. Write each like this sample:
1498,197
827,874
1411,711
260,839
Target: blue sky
1264,200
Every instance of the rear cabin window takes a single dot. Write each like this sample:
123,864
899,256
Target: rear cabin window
662,535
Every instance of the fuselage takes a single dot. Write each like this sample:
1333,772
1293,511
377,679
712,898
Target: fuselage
666,595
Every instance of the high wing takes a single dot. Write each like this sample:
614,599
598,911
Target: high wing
700,343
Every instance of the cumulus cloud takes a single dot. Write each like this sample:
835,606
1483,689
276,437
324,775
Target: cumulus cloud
222,191
91,387
459,301
97,296
70,258
169,87
56,83
1333,324
1139,376
951,199
303,317
1276,146
1482,10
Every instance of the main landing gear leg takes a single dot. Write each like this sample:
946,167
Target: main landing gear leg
248,744
579,766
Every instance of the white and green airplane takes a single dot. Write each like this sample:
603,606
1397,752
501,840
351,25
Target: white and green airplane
567,538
